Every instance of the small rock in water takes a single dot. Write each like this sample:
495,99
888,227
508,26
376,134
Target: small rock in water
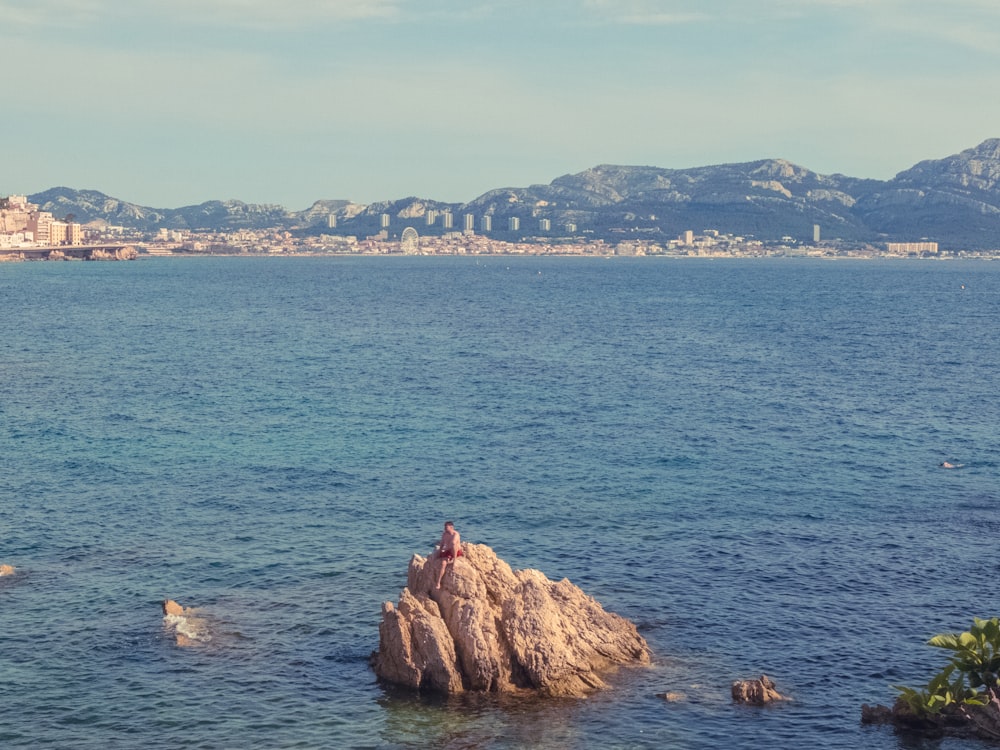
756,692
672,696
188,630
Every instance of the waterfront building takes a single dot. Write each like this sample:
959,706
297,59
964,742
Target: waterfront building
40,224
908,248
625,248
58,233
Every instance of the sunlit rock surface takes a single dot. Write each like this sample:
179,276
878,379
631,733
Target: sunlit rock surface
490,628
756,692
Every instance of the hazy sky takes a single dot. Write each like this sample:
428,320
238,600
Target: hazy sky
288,101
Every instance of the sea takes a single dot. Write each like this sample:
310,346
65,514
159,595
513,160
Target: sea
742,456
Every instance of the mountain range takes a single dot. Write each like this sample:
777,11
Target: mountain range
954,201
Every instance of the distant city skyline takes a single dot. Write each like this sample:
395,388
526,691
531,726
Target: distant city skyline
170,104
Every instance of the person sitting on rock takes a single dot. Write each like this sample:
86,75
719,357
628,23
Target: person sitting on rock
449,548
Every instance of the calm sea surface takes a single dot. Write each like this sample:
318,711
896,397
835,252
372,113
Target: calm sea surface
741,456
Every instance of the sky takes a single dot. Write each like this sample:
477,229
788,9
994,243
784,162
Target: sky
168,104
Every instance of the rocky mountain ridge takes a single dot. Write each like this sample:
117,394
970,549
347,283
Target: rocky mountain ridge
954,201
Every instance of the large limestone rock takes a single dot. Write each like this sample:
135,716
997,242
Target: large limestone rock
490,628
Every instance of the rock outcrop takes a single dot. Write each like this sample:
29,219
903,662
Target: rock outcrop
756,692
6,570
954,720
187,628
490,628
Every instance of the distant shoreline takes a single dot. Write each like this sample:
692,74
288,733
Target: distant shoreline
139,252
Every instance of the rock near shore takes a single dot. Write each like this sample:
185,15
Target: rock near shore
757,692
490,628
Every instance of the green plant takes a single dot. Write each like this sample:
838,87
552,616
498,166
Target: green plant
976,653
970,682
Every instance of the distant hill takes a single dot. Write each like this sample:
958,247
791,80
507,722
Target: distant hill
954,201
767,199
90,205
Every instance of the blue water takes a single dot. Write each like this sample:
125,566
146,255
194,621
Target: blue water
741,456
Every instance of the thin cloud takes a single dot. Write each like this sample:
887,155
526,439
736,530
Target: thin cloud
23,14
968,24
249,14
267,14
645,12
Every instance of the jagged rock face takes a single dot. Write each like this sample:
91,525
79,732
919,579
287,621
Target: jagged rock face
955,199
756,692
490,628
973,170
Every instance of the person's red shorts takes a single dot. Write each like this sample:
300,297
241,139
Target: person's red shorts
450,555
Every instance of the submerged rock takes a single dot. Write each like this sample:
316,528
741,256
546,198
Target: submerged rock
490,628
187,628
672,696
756,692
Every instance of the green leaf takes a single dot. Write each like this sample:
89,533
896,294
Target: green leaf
944,640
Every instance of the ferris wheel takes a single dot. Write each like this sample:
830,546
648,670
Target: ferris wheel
409,242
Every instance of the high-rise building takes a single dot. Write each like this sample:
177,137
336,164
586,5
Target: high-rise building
40,225
513,224
544,225
431,217
331,221
470,222
486,223
448,220
385,221
815,232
